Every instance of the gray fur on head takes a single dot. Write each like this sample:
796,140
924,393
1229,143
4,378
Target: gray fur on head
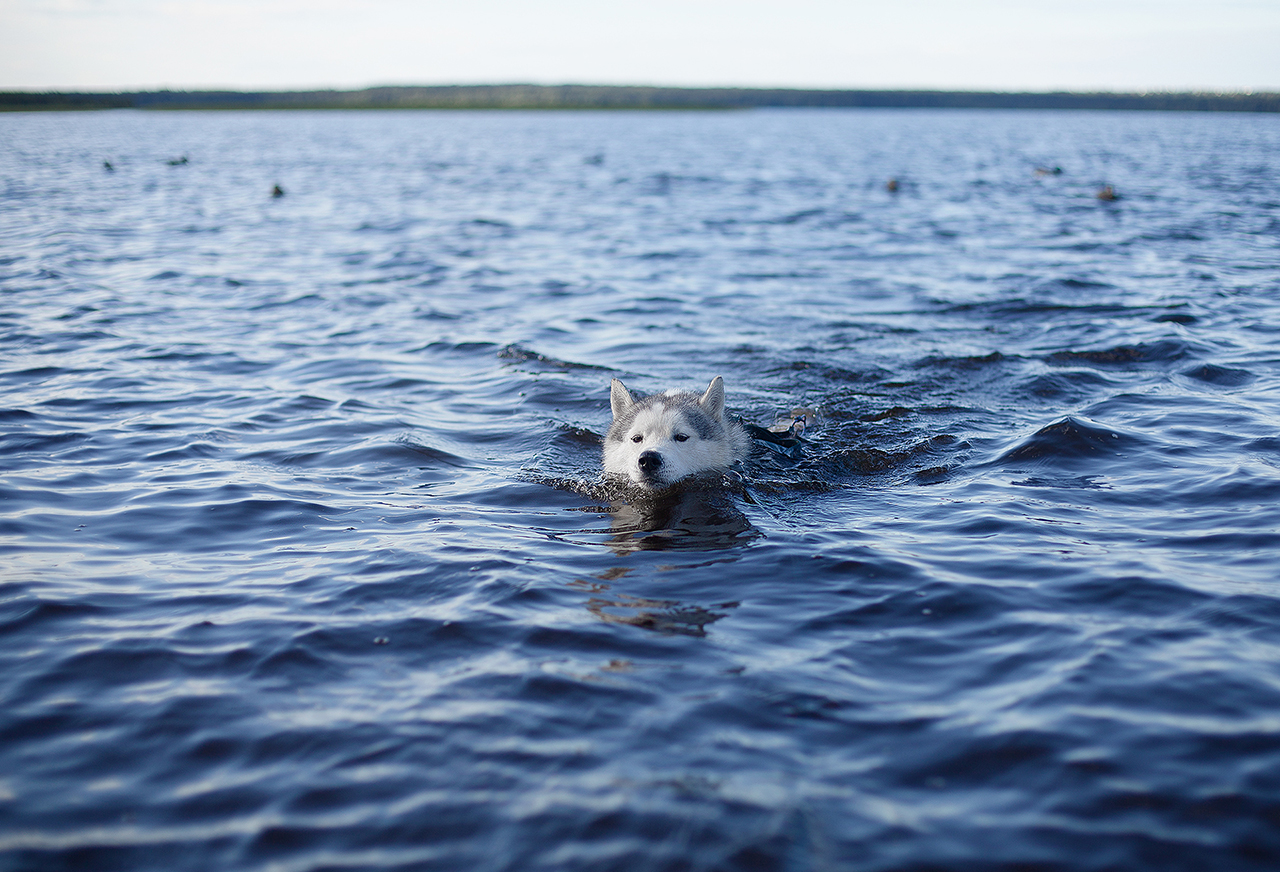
657,440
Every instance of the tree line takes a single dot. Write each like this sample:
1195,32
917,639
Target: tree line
632,97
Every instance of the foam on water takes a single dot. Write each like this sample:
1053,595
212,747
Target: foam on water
308,563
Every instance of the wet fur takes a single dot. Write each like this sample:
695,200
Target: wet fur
659,440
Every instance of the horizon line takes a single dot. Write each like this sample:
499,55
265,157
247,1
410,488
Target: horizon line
632,97
921,89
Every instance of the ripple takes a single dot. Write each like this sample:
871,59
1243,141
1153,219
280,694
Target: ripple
1221,376
309,562
1066,385
1071,442
1164,351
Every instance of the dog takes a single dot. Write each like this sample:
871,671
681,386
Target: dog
659,440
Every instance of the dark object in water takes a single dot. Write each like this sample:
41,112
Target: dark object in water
106,165
277,191
784,436
891,186
1048,171
787,443
177,161
1108,193
795,422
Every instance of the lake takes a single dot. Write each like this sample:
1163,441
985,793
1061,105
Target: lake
308,563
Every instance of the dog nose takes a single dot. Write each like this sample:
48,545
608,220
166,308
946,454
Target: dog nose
650,461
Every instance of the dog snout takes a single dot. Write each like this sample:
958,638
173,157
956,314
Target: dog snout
650,462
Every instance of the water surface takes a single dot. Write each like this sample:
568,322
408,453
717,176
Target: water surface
307,564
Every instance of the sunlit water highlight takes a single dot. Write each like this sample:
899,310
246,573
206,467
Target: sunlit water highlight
307,563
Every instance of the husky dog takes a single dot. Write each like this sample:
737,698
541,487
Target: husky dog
656,441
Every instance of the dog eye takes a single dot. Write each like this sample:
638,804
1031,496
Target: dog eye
680,437
637,438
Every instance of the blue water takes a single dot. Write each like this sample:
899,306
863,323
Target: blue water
307,563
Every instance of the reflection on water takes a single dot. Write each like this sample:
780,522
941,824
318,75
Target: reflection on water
663,616
694,515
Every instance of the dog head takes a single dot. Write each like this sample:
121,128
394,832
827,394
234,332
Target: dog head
656,441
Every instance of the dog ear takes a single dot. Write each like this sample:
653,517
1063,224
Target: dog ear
712,401
620,398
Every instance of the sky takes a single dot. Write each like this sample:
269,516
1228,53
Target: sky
1002,45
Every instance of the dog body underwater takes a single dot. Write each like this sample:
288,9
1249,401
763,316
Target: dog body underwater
658,440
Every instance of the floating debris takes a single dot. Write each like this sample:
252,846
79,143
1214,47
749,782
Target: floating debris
795,422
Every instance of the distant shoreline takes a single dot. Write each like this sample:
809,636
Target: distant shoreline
628,97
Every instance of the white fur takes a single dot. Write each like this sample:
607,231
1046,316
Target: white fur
688,434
